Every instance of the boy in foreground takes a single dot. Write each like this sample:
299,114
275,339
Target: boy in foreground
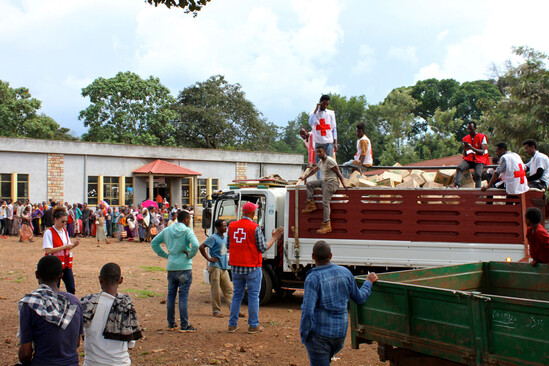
110,322
538,238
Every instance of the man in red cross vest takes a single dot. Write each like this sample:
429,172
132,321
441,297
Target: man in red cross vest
512,166
323,124
475,155
246,245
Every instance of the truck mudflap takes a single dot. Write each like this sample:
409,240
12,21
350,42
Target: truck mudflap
489,313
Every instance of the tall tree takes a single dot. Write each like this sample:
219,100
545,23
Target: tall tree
289,140
215,114
128,109
524,112
19,116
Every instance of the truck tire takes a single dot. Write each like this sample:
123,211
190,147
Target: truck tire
266,291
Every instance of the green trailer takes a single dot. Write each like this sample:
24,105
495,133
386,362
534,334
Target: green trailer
485,313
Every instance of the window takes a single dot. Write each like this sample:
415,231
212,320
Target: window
186,191
202,187
92,191
129,191
111,190
22,187
5,186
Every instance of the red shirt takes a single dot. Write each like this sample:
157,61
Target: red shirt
243,249
539,243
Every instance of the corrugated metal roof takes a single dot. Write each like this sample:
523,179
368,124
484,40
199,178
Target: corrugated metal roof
165,168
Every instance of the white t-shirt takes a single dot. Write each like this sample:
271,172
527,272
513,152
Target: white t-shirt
100,351
48,239
324,126
539,160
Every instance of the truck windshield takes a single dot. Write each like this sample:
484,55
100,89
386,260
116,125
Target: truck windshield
227,210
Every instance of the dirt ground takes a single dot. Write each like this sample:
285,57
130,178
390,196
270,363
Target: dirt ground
145,280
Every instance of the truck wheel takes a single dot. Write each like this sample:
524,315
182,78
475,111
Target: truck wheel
266,291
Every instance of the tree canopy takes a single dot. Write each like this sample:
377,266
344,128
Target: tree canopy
189,6
215,114
524,111
19,116
128,109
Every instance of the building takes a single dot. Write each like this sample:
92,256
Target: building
75,171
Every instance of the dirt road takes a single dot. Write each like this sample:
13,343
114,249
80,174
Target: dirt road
145,280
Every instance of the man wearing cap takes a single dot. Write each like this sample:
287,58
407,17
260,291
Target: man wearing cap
246,244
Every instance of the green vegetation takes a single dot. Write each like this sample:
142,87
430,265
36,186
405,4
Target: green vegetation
153,268
142,293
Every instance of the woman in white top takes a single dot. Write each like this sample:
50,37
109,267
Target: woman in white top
57,242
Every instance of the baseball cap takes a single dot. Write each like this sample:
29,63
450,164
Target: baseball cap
249,207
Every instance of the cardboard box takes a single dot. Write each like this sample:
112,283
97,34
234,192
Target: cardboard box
433,185
366,183
353,179
394,176
445,176
428,176
387,182
411,183
417,177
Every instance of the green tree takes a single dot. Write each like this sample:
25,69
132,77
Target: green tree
189,6
524,111
128,109
440,140
290,141
19,116
215,114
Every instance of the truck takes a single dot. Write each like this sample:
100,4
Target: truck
381,230
482,313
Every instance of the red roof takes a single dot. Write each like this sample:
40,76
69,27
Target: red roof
164,168
453,160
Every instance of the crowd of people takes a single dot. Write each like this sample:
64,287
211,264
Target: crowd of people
132,222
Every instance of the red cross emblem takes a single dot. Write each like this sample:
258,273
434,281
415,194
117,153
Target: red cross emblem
240,235
520,174
322,127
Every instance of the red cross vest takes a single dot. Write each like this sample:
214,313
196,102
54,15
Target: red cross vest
64,255
243,250
476,142
515,174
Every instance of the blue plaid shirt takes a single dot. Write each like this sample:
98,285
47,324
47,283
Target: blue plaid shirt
327,292
259,242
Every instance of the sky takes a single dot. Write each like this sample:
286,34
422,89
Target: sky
284,54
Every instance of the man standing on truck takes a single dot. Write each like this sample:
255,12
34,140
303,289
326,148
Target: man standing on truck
246,245
475,155
329,185
514,169
538,166
323,123
309,144
324,318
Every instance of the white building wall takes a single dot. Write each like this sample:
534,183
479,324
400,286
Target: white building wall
74,178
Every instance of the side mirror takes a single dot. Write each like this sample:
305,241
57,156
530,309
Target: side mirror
206,218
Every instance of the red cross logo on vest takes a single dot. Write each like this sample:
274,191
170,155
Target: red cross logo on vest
520,174
322,127
239,235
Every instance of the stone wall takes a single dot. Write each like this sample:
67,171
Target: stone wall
56,177
241,171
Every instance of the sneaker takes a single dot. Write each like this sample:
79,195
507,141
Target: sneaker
187,329
172,327
253,330
232,328
218,314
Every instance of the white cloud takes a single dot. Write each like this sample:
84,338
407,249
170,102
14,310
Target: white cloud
406,54
470,58
365,60
442,35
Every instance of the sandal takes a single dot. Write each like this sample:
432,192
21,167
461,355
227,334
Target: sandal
218,314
